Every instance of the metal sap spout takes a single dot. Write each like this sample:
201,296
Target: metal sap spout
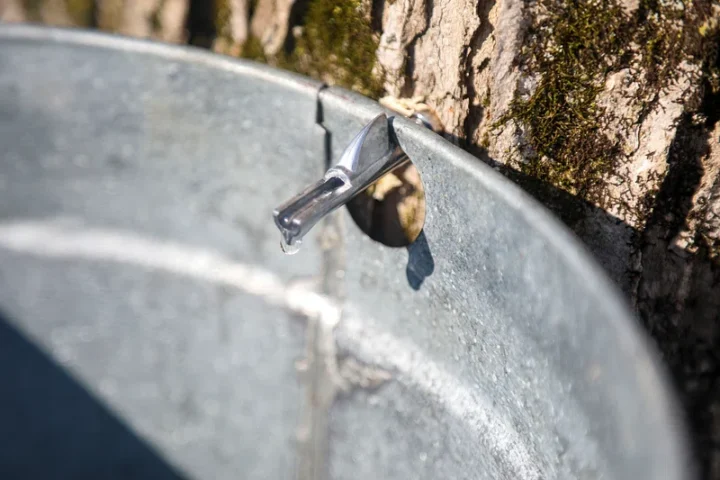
371,154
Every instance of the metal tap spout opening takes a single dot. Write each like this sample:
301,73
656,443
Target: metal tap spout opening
371,154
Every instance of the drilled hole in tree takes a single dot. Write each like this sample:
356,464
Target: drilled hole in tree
392,210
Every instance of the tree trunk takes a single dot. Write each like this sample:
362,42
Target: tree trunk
606,111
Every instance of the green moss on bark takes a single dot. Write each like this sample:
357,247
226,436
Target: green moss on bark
82,12
334,43
32,9
338,45
571,48
221,13
252,49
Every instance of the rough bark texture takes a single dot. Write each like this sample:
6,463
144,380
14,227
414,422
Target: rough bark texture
605,111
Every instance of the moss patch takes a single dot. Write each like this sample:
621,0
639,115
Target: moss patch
32,9
109,15
221,13
338,45
335,43
253,50
82,12
573,46
672,32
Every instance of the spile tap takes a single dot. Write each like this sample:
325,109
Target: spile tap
371,154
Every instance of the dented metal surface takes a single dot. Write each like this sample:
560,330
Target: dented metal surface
138,253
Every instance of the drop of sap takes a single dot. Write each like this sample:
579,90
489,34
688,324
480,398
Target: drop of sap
289,249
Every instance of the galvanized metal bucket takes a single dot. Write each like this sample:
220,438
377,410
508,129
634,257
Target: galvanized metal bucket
151,328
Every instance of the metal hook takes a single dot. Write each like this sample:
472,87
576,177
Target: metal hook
371,154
